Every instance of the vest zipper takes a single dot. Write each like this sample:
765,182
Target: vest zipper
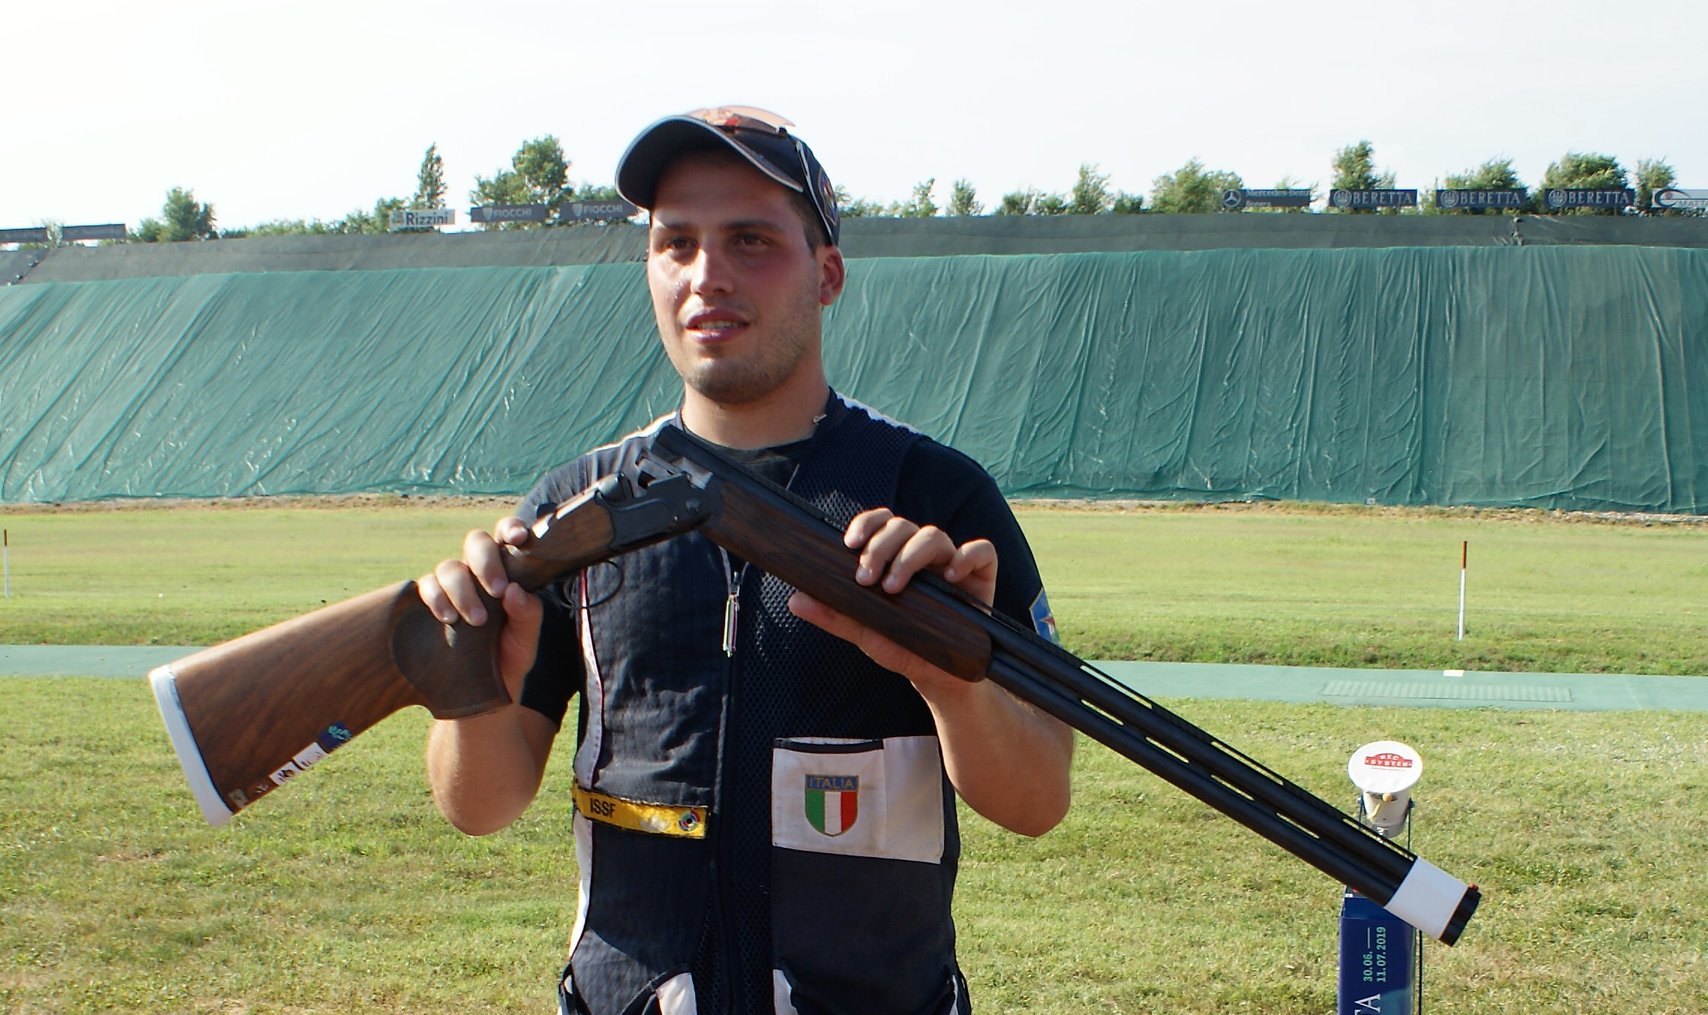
728,965
734,961
732,603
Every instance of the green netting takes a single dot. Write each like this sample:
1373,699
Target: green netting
1559,376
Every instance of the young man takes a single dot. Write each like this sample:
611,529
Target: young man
765,790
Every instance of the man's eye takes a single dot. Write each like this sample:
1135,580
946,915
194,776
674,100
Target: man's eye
749,240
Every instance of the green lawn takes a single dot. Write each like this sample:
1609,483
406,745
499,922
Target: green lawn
1322,586
345,892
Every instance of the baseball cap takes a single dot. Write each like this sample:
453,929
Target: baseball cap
759,136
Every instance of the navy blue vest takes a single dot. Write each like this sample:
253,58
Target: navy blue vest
824,876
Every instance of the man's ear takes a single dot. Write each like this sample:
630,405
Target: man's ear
833,274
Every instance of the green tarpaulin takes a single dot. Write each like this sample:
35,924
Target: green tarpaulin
1561,376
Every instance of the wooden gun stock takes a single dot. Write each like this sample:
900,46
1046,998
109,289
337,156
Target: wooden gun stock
766,525
249,715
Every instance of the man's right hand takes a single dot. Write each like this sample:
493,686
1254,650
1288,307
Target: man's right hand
452,592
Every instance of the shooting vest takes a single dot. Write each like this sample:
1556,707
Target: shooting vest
767,827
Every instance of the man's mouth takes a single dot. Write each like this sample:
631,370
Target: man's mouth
711,327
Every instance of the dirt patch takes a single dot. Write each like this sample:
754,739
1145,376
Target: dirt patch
330,502
503,505
1275,507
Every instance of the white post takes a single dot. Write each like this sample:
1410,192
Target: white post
1464,555
6,556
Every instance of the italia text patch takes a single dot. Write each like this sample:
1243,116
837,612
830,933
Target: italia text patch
832,802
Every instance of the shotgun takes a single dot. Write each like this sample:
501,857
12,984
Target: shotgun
409,658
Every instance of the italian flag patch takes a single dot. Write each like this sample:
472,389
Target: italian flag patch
832,802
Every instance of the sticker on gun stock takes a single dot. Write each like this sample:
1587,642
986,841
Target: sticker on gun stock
329,740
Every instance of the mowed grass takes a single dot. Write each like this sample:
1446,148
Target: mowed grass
1324,586
345,891
1350,586
200,573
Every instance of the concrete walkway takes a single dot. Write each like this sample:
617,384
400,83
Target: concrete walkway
1450,689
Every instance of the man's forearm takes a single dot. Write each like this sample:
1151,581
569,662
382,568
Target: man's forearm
1007,760
485,770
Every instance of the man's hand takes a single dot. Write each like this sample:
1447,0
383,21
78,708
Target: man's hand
893,550
452,593
486,769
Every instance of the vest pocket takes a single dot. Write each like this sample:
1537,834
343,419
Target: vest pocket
860,884
875,798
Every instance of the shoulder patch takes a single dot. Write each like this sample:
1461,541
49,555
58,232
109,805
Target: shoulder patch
1043,621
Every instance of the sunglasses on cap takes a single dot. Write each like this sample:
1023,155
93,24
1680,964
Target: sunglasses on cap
763,136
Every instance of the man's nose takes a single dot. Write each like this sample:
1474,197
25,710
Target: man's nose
712,271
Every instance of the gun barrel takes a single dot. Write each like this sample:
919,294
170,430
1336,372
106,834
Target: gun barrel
766,525
1216,774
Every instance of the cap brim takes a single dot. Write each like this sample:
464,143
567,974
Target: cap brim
659,145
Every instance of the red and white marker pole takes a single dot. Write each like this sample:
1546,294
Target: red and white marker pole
1464,556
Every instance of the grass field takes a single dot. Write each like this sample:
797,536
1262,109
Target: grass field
345,892
1322,586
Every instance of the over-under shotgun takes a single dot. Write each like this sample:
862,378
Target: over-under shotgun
251,714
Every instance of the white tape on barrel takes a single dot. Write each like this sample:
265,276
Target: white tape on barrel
1427,898
165,684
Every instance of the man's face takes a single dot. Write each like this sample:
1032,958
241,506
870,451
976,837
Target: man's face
737,291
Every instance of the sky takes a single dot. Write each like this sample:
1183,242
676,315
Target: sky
310,109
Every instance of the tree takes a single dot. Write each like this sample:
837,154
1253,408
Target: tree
1128,204
851,207
920,205
1192,190
1495,174
1355,169
430,181
590,192
1051,204
964,200
1019,202
1090,194
182,217
1585,171
377,221
283,227
1652,175
545,170
859,208
538,174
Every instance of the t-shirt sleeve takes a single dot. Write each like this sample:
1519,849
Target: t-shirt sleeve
558,671
943,487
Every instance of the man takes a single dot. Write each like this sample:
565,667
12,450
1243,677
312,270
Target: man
765,816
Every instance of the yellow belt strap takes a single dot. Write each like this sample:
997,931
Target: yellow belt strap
659,819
